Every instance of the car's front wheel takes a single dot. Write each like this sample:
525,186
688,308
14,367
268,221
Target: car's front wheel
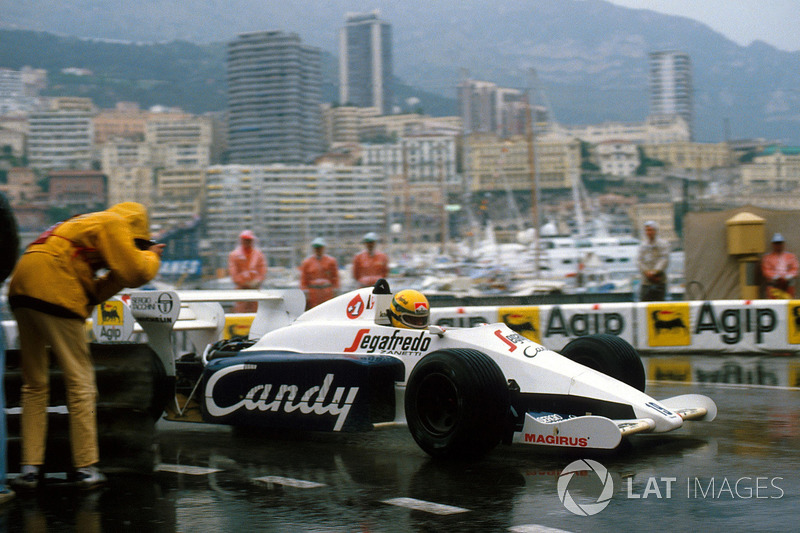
457,404
610,355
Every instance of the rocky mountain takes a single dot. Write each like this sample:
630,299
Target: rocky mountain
590,56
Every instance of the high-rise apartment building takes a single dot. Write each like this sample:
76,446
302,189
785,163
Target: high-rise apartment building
365,62
671,85
287,206
274,96
486,108
61,137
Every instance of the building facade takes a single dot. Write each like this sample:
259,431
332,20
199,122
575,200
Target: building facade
486,108
179,143
671,91
617,158
78,190
492,164
657,129
343,124
427,159
274,96
365,62
774,169
287,206
62,136
20,186
691,155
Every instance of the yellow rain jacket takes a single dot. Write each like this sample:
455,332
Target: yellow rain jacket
57,274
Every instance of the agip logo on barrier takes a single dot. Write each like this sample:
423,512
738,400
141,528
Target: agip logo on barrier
112,322
669,324
793,321
523,320
110,313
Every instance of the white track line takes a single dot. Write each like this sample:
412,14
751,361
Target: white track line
186,469
535,528
288,482
428,507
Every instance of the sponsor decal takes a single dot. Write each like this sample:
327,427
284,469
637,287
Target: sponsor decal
550,418
355,307
522,320
668,324
533,351
580,324
395,344
152,306
286,398
238,326
111,322
165,303
511,340
661,409
110,313
556,440
793,321
731,324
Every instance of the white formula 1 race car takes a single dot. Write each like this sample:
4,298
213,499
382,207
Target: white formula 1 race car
342,367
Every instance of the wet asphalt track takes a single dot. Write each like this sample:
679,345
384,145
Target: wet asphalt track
740,472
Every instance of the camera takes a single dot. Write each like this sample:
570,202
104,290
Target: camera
144,244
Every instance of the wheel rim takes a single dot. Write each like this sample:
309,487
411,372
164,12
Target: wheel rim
438,404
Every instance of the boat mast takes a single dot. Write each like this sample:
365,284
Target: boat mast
534,174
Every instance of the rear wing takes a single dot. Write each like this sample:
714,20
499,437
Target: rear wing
199,314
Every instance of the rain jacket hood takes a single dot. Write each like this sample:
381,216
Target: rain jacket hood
84,261
136,216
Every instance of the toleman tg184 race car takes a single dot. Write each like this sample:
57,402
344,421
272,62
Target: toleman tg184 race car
362,360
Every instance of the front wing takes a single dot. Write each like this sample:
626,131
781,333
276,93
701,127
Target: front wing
599,432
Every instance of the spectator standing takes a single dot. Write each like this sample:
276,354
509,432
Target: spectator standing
653,260
62,275
370,265
9,250
319,275
247,268
779,269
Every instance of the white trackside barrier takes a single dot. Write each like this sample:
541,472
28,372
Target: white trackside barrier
704,327
656,328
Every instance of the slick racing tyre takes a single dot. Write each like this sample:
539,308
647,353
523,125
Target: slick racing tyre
457,404
610,355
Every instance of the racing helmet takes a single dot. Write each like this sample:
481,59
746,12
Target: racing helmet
409,309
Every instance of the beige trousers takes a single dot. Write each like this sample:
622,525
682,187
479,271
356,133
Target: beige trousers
67,340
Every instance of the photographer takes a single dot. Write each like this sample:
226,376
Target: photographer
62,275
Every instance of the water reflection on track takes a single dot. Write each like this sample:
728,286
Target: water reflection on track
740,471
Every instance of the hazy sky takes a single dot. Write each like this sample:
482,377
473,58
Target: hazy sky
776,22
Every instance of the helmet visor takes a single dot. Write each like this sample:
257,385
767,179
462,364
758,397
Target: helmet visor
414,321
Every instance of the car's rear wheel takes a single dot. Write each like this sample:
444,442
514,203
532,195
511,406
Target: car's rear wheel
457,404
610,355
